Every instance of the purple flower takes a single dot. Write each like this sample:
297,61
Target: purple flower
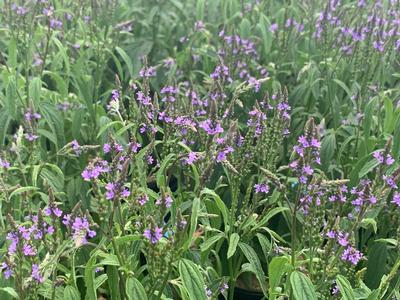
147,72
351,255
143,199
221,72
12,248
125,192
153,235
167,201
80,229
55,23
379,46
94,170
76,147
4,164
396,199
29,115
342,239
198,25
6,269
143,99
261,188
110,187
29,250
388,160
254,83
106,148
36,274
208,292
331,234
273,27
149,159
223,287
135,147
191,158
308,170
31,137
169,93
378,156
210,128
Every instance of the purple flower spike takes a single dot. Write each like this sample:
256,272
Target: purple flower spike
153,235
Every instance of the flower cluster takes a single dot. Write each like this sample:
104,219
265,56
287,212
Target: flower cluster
80,228
95,169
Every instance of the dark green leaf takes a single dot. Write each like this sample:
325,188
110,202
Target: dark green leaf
302,287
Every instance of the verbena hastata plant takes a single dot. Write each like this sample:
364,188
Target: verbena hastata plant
149,151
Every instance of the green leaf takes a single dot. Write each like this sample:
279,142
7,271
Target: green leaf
89,277
266,34
343,86
377,263
302,287
396,139
255,263
368,114
134,289
5,120
161,173
221,205
268,216
345,288
12,53
328,147
10,291
35,87
71,293
200,10
193,221
108,125
113,282
11,98
211,241
276,269
365,223
23,189
392,242
233,242
109,260
99,281
127,60
265,244
54,120
54,176
245,28
192,279
388,123
368,167
375,295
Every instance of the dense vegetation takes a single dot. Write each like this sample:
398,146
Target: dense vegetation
199,149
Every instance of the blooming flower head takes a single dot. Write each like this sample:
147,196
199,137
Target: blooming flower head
80,228
143,199
29,250
147,72
388,160
153,235
7,270
36,274
210,128
396,199
4,164
191,158
261,188
351,255
76,147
